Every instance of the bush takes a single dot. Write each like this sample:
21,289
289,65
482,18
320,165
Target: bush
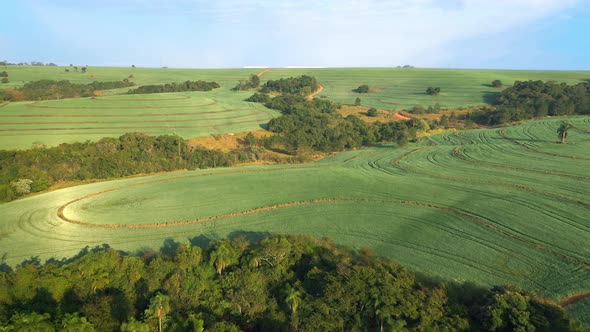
259,98
433,91
362,89
4,74
497,83
357,102
176,87
372,112
4,80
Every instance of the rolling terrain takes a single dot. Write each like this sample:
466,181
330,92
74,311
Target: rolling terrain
189,114
404,88
490,206
221,111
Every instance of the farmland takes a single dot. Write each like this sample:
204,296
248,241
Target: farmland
220,111
189,114
463,206
403,88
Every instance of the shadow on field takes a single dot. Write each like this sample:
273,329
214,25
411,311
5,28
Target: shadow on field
170,246
489,97
85,251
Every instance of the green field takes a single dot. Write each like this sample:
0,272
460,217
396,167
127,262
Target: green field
403,88
76,120
191,114
491,206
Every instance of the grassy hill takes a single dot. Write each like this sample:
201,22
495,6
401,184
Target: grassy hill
404,88
77,120
223,111
466,206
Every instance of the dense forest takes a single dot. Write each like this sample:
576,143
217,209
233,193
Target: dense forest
33,170
302,85
530,99
279,283
176,87
49,89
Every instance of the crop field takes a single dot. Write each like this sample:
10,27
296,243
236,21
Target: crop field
227,78
191,114
404,88
463,206
222,111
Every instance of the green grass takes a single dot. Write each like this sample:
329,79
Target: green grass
19,75
76,120
405,88
465,206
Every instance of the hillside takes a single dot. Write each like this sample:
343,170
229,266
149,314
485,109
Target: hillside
463,206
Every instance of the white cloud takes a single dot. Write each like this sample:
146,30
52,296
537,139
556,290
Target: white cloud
404,31
289,32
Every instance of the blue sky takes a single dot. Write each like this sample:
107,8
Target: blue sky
527,34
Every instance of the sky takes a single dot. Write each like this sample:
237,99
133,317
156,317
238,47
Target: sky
509,34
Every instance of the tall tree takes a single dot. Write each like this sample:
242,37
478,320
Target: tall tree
159,309
562,131
222,256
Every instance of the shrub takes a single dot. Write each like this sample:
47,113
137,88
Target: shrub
362,89
433,91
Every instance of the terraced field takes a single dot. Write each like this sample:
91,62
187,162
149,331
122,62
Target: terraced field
493,206
76,120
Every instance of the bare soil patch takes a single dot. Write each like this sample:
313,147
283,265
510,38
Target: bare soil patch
227,142
361,112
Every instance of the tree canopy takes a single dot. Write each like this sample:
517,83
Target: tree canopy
362,89
176,87
278,283
50,89
36,169
433,91
302,85
531,99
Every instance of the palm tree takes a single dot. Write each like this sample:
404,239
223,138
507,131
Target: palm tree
159,308
221,257
562,131
292,298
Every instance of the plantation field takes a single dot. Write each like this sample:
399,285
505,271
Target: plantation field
490,206
190,114
396,88
222,111
404,88
227,78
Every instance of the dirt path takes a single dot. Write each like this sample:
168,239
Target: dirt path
401,116
311,96
573,299
264,72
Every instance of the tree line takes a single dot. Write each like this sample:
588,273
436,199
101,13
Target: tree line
530,99
252,83
50,89
278,283
26,171
176,87
302,85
